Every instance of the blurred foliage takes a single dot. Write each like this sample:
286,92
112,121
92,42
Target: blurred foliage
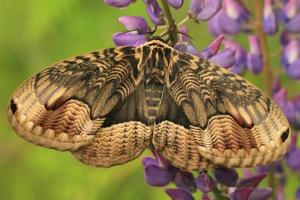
33,35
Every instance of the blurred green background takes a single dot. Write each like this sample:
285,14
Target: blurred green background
34,34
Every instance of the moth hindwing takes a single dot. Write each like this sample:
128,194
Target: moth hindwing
106,107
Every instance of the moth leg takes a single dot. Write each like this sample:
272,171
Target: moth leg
115,145
178,145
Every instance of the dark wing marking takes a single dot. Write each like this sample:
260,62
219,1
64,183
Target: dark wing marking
232,123
65,105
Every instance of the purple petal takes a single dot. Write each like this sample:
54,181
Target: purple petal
214,26
204,182
158,176
289,10
295,121
260,194
285,38
227,24
118,3
293,159
225,58
179,194
251,181
154,11
236,10
254,63
270,25
181,46
280,97
185,180
241,193
149,161
204,9
297,195
128,39
213,48
293,69
175,3
293,25
289,111
135,23
191,49
240,56
291,53
226,176
254,45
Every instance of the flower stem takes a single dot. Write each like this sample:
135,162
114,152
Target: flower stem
264,47
218,194
171,23
267,74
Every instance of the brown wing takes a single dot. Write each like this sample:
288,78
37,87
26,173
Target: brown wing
232,123
65,105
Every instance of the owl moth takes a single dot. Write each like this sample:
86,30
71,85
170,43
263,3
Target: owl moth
108,106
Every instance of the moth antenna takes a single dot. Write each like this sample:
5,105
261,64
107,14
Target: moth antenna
185,34
153,31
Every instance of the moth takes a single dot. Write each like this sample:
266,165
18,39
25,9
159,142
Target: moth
108,106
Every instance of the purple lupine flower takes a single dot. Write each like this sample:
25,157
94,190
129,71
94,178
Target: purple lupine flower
291,108
295,117
185,180
205,183
225,58
129,39
137,27
179,194
241,193
297,195
291,59
270,25
154,11
230,18
260,194
175,3
226,24
157,173
135,23
290,16
285,38
251,181
213,25
226,176
118,3
212,48
293,159
202,10
240,56
254,57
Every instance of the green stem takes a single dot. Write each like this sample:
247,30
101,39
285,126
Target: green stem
171,23
218,194
267,74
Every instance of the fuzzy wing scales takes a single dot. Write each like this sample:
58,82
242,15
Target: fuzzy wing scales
65,105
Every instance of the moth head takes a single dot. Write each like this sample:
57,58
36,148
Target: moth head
155,56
